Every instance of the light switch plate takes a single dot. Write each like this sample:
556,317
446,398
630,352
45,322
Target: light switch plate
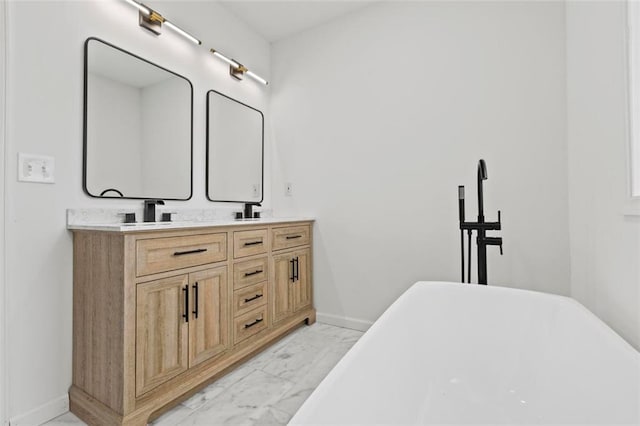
36,168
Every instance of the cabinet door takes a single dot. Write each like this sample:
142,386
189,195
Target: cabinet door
301,286
161,331
283,273
208,326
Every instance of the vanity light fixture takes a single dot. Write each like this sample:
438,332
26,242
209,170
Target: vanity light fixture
237,70
151,20
140,7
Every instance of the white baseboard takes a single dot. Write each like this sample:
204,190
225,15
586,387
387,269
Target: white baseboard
346,322
43,413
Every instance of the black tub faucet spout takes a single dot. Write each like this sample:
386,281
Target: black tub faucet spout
481,227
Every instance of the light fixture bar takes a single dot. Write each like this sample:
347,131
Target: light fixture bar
224,58
182,32
139,6
257,77
236,69
151,20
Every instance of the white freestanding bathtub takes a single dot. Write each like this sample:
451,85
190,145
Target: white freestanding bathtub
449,353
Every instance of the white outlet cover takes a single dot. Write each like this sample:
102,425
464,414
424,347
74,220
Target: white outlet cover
36,168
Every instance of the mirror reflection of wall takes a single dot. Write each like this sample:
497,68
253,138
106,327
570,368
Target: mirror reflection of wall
235,150
138,126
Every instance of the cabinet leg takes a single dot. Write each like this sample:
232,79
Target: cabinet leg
311,319
94,413
139,420
91,411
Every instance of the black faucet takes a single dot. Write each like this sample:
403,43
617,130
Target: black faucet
150,209
248,212
480,226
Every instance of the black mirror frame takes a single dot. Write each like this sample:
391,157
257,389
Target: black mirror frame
207,152
84,123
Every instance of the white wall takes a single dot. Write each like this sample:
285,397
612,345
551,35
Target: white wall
44,116
605,244
3,300
377,118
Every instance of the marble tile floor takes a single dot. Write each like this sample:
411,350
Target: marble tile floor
266,390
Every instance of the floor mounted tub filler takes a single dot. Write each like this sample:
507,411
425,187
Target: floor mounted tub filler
447,353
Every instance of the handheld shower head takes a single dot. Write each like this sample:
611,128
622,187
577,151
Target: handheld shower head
461,203
482,175
482,170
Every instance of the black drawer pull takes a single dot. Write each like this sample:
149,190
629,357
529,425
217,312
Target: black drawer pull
185,315
195,302
259,320
253,243
257,296
182,253
293,237
248,274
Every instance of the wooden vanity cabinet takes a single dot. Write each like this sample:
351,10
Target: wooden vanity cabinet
301,293
208,308
162,336
291,283
160,314
180,322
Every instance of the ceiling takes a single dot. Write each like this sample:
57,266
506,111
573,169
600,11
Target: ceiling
275,20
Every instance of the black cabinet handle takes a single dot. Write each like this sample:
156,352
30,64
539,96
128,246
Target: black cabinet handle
293,237
185,315
293,270
182,253
195,300
257,296
258,320
297,269
253,243
248,274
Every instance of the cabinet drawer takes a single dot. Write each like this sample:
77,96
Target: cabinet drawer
251,323
250,272
249,298
166,254
248,243
291,236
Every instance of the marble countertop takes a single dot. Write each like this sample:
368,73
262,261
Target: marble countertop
154,226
